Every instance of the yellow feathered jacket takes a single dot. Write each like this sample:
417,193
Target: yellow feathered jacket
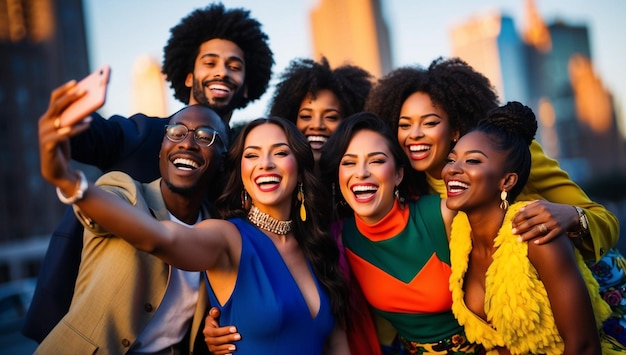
516,301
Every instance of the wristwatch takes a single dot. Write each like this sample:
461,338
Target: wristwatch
583,224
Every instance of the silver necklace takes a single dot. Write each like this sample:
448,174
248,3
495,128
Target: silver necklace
269,223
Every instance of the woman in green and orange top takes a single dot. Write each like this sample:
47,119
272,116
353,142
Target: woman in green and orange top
397,251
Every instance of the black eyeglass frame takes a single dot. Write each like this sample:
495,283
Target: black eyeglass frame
195,135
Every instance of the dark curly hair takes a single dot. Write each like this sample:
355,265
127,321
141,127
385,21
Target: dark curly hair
313,235
214,21
463,93
511,128
349,83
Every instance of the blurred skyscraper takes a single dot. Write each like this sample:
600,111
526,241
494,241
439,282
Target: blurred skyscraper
352,32
42,45
549,68
148,88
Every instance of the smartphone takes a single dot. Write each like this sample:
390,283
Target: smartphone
95,85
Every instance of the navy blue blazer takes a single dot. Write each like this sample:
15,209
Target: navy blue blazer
130,145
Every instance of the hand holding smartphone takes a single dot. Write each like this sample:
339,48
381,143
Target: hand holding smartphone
95,85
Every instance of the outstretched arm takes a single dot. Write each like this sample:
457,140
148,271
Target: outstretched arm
199,248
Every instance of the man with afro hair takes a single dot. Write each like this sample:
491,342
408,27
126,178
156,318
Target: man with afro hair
222,55
216,57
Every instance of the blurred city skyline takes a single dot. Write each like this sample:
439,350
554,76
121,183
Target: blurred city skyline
120,32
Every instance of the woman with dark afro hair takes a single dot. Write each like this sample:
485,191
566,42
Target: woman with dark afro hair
184,60
316,97
430,108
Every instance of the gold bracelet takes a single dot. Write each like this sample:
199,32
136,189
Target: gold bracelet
78,195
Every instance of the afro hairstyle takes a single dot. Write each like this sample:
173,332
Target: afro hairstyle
463,93
214,21
349,83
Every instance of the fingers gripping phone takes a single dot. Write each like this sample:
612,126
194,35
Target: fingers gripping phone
95,85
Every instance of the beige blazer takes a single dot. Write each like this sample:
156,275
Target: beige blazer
118,287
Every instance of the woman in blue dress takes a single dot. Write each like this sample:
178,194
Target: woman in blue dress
272,265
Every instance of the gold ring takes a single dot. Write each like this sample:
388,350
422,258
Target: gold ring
57,123
542,228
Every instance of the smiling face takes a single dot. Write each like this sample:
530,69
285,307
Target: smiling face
187,166
368,175
318,118
425,134
218,75
474,174
269,170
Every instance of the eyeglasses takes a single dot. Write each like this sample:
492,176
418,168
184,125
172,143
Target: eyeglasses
203,136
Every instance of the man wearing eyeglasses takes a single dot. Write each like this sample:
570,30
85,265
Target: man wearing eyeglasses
215,57
127,301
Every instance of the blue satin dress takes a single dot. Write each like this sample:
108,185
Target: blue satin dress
267,306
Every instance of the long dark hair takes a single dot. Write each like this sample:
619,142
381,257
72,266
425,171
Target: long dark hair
338,143
313,235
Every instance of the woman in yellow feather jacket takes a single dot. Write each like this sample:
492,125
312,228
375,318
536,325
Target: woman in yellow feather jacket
512,297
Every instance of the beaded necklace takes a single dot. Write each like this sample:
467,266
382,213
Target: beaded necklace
269,223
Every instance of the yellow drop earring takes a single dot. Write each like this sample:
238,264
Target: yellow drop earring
300,197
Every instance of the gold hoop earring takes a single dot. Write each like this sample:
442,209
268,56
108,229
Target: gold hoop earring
300,197
505,203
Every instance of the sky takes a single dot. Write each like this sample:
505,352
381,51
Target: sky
120,31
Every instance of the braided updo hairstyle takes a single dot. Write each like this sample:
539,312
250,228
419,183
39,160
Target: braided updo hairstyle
511,128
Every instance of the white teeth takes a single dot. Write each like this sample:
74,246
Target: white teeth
457,184
267,179
419,148
364,188
320,139
219,87
185,164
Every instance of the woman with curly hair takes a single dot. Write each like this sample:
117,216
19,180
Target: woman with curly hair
317,97
430,108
